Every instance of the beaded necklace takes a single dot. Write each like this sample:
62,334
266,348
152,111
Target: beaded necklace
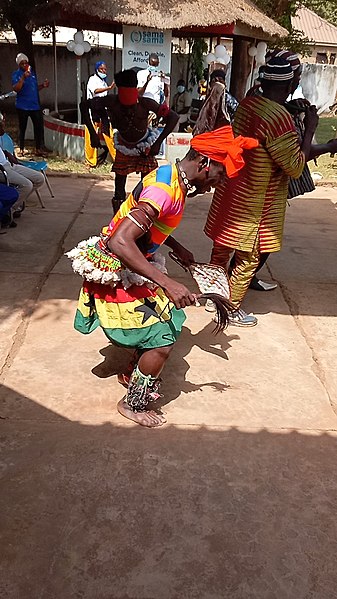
183,175
129,118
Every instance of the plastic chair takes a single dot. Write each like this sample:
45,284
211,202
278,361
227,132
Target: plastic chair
36,165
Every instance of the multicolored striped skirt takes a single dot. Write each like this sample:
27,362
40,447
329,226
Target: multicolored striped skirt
137,317
124,165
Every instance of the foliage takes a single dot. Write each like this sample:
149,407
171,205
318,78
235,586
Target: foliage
295,41
18,15
282,11
198,47
327,9
45,31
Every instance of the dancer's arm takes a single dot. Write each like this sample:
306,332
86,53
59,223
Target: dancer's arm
169,117
186,257
123,244
330,147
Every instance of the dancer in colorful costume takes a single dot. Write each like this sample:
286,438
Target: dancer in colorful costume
126,289
135,143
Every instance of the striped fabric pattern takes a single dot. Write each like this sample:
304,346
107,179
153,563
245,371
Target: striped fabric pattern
252,205
138,317
124,165
161,189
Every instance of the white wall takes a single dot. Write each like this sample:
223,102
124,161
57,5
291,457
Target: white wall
319,84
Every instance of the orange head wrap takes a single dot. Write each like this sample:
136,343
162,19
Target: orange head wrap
220,145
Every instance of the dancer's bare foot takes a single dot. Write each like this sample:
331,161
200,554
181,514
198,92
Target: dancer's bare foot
150,419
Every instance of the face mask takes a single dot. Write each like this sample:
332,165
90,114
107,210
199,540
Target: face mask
152,68
101,75
180,89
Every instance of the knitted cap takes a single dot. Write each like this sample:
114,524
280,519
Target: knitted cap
20,57
278,70
290,57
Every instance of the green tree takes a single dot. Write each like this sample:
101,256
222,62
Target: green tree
282,11
17,15
198,47
327,9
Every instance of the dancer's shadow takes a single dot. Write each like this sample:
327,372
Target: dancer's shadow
174,376
177,367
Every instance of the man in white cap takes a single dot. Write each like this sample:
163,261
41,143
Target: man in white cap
27,102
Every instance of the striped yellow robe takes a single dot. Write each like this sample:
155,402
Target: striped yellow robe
251,207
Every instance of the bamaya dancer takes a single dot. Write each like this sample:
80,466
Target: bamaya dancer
126,290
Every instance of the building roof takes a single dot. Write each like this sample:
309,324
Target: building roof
314,27
163,14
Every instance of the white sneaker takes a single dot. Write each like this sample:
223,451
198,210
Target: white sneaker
240,318
259,285
210,306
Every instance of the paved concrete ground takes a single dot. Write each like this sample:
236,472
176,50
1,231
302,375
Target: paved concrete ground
237,496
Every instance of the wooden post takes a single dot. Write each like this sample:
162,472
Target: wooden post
188,64
56,107
240,67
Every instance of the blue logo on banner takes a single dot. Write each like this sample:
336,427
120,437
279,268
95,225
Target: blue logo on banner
153,38
136,37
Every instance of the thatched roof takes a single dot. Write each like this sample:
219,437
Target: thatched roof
173,14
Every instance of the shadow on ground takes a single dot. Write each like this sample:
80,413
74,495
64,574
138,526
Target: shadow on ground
111,512
116,360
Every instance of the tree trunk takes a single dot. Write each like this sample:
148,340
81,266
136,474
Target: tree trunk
280,7
24,39
240,68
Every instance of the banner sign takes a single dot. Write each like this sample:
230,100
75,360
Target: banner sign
139,43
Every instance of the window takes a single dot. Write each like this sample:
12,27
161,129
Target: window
321,58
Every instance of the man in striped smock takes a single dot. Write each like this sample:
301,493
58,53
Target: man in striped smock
247,213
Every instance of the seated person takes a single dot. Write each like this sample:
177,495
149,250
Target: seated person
8,197
23,178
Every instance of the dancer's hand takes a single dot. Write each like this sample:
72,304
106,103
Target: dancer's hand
185,256
179,294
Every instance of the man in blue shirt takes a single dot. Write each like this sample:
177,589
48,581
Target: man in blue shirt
27,103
